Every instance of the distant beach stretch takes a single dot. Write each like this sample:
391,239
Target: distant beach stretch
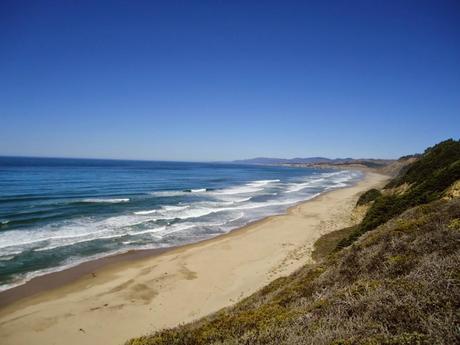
204,276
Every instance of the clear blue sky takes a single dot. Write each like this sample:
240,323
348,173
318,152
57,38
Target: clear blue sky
218,80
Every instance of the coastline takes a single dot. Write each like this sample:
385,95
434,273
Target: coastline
68,275
125,295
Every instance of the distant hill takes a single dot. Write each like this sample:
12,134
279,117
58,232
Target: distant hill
297,160
322,162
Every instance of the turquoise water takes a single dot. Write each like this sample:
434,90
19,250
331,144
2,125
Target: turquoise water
55,213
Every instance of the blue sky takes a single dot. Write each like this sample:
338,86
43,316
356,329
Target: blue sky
218,80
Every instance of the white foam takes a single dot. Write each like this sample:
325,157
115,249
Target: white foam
260,183
174,207
165,230
166,193
178,227
102,200
324,180
296,187
251,187
185,214
201,209
162,209
134,233
146,212
241,215
13,238
128,242
199,190
238,190
66,244
84,228
222,202
242,199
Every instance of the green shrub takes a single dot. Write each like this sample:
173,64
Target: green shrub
368,196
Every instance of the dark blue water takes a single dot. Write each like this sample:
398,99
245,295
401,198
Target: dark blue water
55,213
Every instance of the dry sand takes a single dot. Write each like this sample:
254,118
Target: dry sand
129,298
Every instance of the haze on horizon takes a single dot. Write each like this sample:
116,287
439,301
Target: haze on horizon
232,80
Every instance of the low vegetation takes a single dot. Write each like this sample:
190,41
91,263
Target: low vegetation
427,178
327,243
396,284
435,161
368,196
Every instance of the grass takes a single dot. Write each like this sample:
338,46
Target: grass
326,244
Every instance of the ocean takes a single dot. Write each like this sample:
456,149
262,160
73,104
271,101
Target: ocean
56,213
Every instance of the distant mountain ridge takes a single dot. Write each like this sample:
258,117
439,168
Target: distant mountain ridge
387,166
297,160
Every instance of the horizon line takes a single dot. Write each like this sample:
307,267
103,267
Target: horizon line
185,161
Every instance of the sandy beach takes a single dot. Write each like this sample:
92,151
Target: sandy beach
112,301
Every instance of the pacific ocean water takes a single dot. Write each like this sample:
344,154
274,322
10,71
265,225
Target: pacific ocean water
56,213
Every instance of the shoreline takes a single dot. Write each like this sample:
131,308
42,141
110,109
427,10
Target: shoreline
53,280
144,290
56,279
59,278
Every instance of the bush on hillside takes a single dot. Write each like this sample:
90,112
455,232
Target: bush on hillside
368,196
428,177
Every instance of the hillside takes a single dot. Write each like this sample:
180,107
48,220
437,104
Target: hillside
276,161
319,162
392,279
423,181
